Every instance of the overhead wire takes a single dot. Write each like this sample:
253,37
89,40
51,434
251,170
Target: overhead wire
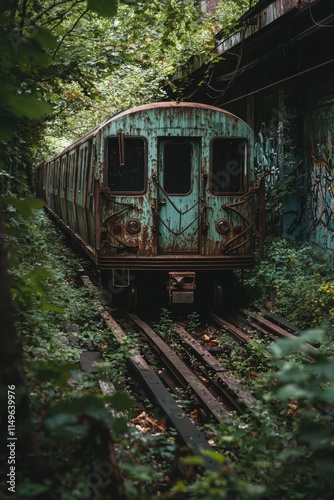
316,23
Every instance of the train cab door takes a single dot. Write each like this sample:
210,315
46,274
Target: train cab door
178,200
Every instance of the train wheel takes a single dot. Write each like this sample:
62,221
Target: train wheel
217,296
131,298
215,293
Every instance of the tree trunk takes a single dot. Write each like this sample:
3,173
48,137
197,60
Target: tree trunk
14,407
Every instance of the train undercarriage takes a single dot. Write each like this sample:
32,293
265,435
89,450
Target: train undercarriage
136,291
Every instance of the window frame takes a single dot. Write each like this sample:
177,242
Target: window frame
245,167
178,140
145,144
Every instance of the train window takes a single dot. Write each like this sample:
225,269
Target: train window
56,175
50,175
63,172
71,171
228,165
92,164
81,166
177,167
130,176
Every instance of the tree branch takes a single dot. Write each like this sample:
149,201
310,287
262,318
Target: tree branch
53,6
69,32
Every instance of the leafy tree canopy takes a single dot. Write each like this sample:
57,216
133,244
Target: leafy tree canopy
68,64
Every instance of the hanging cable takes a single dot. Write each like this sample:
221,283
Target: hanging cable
318,24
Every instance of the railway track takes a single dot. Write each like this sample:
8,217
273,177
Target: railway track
244,324
215,399
215,393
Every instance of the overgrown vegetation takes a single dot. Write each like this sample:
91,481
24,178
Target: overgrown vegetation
286,451
294,280
72,436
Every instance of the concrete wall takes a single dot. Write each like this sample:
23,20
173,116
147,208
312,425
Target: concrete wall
318,128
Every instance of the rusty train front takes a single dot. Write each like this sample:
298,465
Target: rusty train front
161,196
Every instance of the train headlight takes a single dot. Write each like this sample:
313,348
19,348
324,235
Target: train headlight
133,226
237,230
117,229
223,226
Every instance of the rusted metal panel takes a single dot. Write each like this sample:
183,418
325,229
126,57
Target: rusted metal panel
70,191
90,201
84,153
178,198
179,263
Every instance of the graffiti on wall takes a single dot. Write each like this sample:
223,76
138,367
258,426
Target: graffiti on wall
321,183
266,153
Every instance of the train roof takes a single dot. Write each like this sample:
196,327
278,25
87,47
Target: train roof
136,109
167,105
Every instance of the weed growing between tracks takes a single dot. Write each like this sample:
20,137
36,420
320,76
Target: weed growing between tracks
286,449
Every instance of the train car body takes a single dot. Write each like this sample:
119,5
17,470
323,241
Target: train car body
166,188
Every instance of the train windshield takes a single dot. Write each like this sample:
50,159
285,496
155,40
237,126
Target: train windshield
228,166
177,167
126,169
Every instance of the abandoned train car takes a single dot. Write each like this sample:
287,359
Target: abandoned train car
162,196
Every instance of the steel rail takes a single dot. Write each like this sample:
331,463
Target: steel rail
182,372
232,388
236,332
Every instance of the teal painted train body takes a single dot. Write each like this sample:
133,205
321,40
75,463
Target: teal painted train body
165,189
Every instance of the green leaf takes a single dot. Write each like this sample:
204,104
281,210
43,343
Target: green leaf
326,369
4,20
24,205
31,54
195,460
293,391
327,395
324,460
71,431
106,8
7,127
120,426
121,401
27,489
28,105
316,434
47,306
282,347
90,405
59,420
214,455
51,370
44,37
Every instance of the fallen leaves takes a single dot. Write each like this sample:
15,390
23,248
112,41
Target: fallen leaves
144,423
